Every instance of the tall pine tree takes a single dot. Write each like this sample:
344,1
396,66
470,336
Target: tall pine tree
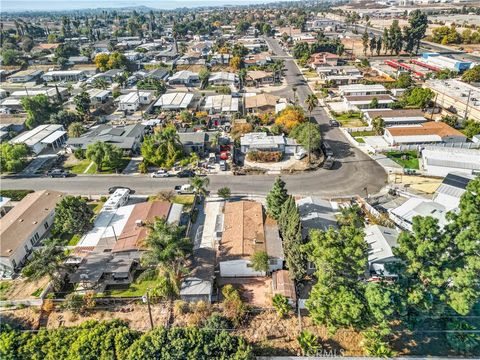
276,198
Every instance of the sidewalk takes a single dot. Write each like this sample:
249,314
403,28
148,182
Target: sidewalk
132,167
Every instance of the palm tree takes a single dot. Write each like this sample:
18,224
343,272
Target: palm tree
294,89
166,255
277,69
214,140
311,102
47,261
242,74
200,184
101,83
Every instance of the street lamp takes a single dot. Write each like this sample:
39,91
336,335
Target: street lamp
146,300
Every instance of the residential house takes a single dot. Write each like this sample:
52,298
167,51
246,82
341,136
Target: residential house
440,161
257,60
355,102
429,132
23,227
260,141
244,235
25,76
403,215
223,78
132,101
157,74
41,137
194,141
339,75
64,75
381,241
109,76
258,78
175,101
184,77
98,96
395,117
323,59
451,190
260,103
72,60
362,90
128,138
225,104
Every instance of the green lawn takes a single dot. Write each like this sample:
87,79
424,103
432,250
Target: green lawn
407,159
81,166
362,133
37,292
134,289
183,199
15,195
348,116
360,140
96,206
4,287
74,240
108,170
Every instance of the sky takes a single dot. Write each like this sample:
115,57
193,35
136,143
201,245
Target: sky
59,5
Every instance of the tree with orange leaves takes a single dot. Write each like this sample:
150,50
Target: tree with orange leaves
289,118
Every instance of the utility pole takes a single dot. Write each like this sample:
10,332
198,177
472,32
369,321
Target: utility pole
146,299
466,106
434,105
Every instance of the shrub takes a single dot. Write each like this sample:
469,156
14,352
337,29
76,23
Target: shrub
79,154
281,305
15,195
264,156
233,306
309,343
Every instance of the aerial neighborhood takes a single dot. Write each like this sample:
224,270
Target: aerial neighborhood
229,182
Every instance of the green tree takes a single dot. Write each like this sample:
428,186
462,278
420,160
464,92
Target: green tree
471,128
374,345
104,154
373,103
47,261
13,157
308,135
472,75
200,185
365,41
462,337
418,27
75,129
38,109
260,261
72,216
396,38
233,307
163,148
203,75
281,305
225,193
418,97
378,125
64,118
291,230
166,254
276,198
312,102
189,343
11,57
309,343
82,103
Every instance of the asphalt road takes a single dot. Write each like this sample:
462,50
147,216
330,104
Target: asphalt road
354,172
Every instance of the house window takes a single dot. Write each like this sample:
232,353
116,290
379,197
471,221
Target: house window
36,236
32,241
14,263
46,225
26,248
272,261
249,265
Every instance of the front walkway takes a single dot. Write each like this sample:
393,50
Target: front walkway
132,167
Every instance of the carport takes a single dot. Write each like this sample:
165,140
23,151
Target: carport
55,139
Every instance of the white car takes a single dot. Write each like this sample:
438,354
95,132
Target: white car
160,174
300,155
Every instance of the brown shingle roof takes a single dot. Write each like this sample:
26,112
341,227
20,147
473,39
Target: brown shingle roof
243,233
395,113
260,100
133,235
258,74
20,222
429,128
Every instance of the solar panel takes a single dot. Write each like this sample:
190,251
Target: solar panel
456,181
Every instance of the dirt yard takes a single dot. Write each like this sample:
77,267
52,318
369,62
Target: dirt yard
19,289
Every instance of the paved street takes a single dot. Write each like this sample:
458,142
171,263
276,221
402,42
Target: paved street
354,171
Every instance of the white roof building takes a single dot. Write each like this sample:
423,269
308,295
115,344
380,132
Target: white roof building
361,89
381,241
439,161
403,215
221,103
174,101
451,190
42,136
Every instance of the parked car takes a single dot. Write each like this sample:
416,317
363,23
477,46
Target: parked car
334,123
300,155
184,189
160,174
328,164
58,173
186,173
112,189
327,149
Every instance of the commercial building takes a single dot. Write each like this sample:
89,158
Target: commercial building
43,136
457,97
442,62
426,133
23,227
